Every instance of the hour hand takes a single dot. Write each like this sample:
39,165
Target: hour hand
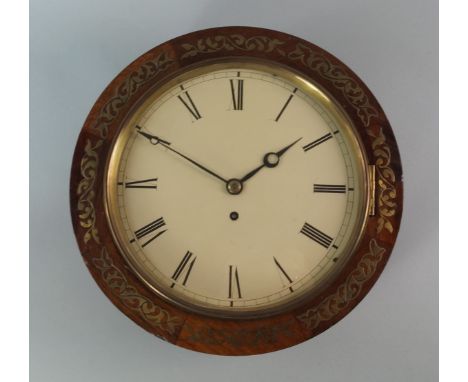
270,160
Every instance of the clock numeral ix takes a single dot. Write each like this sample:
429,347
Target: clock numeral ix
182,266
316,235
148,229
311,145
237,99
330,188
234,283
284,273
146,183
188,103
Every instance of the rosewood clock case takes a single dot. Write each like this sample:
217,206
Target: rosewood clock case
197,331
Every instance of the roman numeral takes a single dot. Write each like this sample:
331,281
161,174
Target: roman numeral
237,96
145,183
148,229
330,188
182,266
234,283
188,103
316,235
284,273
285,105
311,145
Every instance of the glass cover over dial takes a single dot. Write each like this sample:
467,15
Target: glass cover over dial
237,189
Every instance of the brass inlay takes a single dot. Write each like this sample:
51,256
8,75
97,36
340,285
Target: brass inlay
132,83
231,43
385,186
85,191
118,283
337,75
110,273
347,291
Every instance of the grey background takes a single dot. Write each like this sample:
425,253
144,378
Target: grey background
77,47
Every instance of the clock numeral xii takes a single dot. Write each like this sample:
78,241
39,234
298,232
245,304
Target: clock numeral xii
237,93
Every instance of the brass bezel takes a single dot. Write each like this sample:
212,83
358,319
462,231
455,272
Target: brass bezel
308,86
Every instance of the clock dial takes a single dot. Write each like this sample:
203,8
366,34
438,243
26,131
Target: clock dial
237,189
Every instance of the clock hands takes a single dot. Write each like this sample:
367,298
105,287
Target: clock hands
233,186
154,140
269,160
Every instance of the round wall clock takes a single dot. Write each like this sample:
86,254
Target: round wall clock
236,190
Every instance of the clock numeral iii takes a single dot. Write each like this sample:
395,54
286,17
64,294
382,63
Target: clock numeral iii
311,145
234,283
330,188
237,96
188,103
148,229
316,235
146,183
182,267
284,273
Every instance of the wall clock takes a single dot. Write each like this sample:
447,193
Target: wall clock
236,190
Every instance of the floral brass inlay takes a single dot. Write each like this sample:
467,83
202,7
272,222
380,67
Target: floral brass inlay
110,273
347,291
357,98
85,191
386,182
132,83
230,43
353,92
119,285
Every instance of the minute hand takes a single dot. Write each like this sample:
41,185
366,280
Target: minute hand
278,155
155,140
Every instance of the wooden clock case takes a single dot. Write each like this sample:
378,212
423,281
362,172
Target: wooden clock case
220,335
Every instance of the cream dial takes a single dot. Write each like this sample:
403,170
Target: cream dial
236,188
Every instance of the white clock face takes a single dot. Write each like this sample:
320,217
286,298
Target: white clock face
237,190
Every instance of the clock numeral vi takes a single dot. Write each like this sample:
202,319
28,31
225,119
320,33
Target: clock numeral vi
148,229
182,267
234,284
237,95
188,103
316,235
